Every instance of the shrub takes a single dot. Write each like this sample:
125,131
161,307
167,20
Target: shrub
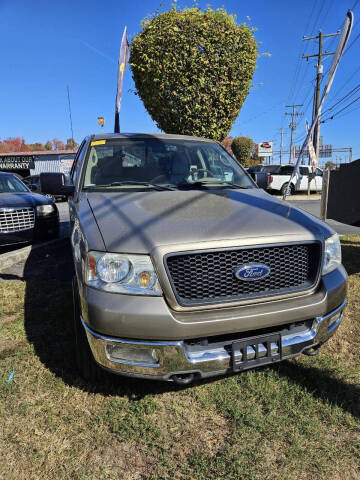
242,148
193,69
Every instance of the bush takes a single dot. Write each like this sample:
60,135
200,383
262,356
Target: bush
242,148
193,69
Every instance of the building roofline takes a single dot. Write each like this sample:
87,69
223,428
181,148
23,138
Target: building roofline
37,152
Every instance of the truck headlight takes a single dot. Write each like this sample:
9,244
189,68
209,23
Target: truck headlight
332,254
43,210
119,273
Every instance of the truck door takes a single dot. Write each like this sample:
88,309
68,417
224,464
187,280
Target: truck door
304,179
317,182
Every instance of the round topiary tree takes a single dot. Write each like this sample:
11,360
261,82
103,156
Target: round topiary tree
242,148
193,69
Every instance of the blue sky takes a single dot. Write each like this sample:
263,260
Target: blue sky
48,45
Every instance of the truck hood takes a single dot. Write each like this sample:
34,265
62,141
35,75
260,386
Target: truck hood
23,199
138,222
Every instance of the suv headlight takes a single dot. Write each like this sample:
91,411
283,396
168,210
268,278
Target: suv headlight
122,273
332,254
43,210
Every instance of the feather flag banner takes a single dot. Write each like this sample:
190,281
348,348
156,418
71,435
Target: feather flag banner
122,64
345,35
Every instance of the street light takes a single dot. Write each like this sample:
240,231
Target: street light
101,121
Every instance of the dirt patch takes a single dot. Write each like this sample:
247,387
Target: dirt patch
129,460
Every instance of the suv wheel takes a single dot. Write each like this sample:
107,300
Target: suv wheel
285,186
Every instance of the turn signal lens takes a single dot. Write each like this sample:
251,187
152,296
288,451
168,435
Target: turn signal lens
145,279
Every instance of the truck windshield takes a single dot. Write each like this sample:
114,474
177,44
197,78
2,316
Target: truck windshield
133,163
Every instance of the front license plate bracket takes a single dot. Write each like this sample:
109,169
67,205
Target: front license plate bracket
255,351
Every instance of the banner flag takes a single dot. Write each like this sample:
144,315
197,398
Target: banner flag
122,64
345,35
313,157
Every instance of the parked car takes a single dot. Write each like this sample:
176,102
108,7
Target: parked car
185,269
33,182
280,178
24,216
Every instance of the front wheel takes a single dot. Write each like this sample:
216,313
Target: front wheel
284,189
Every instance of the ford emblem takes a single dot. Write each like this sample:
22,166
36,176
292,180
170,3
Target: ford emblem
252,271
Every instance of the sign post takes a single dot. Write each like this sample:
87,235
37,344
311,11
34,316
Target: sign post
325,193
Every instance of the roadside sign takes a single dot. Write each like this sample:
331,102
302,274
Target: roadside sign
265,149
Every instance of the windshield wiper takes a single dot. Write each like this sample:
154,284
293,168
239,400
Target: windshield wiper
155,186
210,183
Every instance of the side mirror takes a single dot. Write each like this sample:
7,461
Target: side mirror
32,187
261,179
56,184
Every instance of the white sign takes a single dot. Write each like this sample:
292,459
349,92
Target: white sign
65,165
265,149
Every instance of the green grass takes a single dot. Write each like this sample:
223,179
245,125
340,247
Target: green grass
299,419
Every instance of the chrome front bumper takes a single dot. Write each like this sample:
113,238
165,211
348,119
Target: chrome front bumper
171,358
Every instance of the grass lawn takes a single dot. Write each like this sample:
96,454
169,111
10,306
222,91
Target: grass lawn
295,420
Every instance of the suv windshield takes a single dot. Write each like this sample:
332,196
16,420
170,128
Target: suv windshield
10,184
159,162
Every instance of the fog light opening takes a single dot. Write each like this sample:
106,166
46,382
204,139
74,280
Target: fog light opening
123,353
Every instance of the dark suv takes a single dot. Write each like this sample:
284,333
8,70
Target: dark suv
24,216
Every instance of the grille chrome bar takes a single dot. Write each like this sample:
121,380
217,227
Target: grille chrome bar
16,219
208,277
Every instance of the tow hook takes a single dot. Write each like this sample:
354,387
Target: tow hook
312,351
183,378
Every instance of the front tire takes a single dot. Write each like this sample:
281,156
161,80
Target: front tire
284,188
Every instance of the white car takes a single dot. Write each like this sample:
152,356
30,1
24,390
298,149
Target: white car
280,177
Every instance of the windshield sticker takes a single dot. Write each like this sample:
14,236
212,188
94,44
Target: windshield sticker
98,142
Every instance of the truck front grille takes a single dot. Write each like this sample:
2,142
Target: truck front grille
16,219
203,277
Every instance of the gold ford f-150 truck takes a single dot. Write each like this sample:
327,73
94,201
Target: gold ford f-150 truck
184,268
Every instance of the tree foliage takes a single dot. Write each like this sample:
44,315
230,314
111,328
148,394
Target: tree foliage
226,143
18,144
71,144
242,148
58,144
193,69
330,164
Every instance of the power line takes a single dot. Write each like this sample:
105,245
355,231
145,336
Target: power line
299,63
349,94
341,110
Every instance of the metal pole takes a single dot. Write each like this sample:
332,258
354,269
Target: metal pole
325,193
71,125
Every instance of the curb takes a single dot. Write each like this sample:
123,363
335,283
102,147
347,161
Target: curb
8,259
294,198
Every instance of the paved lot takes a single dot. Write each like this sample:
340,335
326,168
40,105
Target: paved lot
313,207
64,218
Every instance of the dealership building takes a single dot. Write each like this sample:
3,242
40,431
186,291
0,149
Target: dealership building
34,163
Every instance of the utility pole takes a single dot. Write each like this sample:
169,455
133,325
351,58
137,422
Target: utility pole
281,143
293,125
319,72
